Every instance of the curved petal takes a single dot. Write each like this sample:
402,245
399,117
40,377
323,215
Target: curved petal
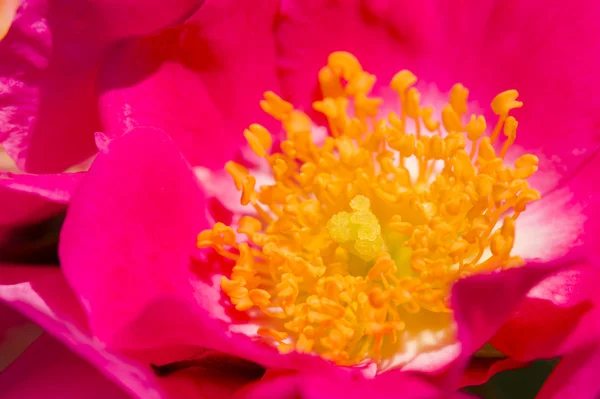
575,376
43,295
563,299
199,82
568,301
128,235
482,304
20,208
50,58
16,334
311,386
57,188
47,369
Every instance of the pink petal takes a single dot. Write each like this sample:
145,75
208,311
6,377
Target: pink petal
199,82
482,304
42,294
309,31
28,199
16,335
569,302
128,236
312,386
490,54
19,208
50,58
490,46
47,369
57,188
575,376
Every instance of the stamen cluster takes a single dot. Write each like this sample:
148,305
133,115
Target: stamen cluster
374,224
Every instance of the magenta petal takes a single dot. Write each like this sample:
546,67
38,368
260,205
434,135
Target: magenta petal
575,376
57,188
128,236
568,301
47,105
20,208
47,369
193,80
393,384
30,198
551,41
309,30
482,303
17,333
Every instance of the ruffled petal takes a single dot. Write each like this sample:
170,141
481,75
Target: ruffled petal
199,82
50,58
128,236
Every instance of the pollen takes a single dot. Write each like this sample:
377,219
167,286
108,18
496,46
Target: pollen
360,237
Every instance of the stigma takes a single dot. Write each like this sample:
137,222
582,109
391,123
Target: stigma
360,237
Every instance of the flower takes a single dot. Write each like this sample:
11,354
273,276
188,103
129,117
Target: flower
206,57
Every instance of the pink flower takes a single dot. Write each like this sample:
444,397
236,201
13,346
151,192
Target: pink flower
126,242
125,253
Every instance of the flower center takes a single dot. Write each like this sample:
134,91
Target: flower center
364,234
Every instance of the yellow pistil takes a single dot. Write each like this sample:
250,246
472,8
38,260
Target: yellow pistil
365,234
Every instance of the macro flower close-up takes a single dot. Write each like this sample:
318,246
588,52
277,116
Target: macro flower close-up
299,199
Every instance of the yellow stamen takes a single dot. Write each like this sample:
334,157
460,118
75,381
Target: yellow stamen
351,245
